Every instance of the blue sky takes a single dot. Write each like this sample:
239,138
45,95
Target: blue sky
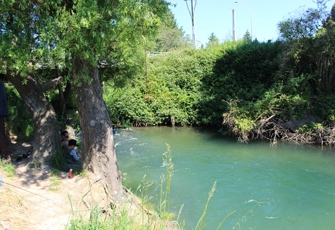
215,16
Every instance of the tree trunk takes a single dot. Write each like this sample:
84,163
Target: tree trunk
46,137
98,154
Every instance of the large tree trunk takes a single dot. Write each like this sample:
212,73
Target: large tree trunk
46,137
98,152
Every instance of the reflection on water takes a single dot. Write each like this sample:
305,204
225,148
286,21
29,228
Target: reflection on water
283,187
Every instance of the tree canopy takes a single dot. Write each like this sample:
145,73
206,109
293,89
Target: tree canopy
79,38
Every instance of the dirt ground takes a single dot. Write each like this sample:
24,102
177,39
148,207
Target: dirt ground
36,198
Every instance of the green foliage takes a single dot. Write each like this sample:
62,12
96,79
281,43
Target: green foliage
310,128
213,40
325,109
245,125
243,71
8,167
247,37
286,107
58,161
55,182
98,220
19,121
190,86
169,89
169,36
310,49
180,86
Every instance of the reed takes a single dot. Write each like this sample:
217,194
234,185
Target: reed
200,224
165,185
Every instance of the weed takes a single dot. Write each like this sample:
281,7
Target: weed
20,201
55,173
58,161
165,193
250,211
200,224
35,165
55,181
98,220
8,167
83,173
142,189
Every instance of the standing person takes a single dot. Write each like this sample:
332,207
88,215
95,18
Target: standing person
5,143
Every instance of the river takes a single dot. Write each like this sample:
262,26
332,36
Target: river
287,186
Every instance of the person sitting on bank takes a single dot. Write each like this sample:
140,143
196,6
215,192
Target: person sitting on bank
64,139
72,151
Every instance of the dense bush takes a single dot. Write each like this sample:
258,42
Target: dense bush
192,85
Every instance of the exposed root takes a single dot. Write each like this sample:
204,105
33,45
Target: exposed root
272,129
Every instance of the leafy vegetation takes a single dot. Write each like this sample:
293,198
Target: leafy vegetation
256,89
19,120
8,167
151,75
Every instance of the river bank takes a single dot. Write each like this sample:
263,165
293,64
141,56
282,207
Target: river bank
44,198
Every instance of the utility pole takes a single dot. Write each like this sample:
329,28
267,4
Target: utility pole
192,11
193,24
233,15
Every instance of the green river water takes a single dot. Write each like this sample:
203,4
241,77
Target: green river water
288,186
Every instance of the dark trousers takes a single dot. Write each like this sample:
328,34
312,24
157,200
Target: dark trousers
5,143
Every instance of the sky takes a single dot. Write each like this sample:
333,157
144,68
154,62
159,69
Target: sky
260,17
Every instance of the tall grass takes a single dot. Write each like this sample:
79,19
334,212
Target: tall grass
200,224
59,161
120,218
99,221
165,185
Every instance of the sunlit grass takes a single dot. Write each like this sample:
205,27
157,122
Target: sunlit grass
8,168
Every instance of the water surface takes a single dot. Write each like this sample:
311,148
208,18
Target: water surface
283,187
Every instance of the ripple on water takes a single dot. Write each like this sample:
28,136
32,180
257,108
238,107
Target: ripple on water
282,187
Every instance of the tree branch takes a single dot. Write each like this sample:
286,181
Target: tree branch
48,85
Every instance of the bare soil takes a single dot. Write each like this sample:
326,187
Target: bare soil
29,200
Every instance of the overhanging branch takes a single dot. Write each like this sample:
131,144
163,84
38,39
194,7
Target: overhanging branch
53,82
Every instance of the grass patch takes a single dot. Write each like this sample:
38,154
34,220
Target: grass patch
8,167
55,181
58,161
99,220
55,173
83,173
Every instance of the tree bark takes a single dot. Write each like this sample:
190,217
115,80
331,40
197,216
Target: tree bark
46,137
98,152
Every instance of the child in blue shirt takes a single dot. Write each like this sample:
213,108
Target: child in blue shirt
72,151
